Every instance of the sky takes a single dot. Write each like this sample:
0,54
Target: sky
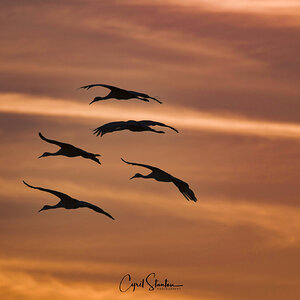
228,75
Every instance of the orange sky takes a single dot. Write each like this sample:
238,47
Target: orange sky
229,78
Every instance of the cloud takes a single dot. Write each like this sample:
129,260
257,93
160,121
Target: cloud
264,6
181,117
278,222
219,61
20,284
228,76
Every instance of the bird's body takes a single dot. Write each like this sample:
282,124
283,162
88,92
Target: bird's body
131,125
69,150
120,94
162,176
67,202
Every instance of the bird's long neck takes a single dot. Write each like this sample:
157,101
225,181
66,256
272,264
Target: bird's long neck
144,176
50,154
104,98
55,206
46,207
147,176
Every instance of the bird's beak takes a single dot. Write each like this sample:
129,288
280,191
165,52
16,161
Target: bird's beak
132,177
40,156
40,210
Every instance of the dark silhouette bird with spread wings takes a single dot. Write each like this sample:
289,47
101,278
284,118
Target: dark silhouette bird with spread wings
120,94
67,202
163,176
130,125
69,150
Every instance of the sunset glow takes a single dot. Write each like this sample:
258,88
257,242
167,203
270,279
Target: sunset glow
227,74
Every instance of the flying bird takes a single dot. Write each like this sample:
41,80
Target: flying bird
119,94
69,150
67,202
163,176
130,125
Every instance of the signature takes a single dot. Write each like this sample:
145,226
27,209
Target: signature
149,282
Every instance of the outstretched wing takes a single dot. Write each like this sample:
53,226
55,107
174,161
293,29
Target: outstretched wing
57,194
111,87
95,208
138,94
110,127
141,165
184,189
60,144
153,123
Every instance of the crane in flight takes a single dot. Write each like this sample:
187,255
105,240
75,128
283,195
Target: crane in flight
68,150
119,94
67,202
163,176
131,125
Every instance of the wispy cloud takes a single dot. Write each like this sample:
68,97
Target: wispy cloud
228,74
25,279
265,6
177,116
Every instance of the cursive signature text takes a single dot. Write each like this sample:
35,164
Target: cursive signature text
150,282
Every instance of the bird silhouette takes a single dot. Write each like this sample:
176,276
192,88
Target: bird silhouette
163,176
67,202
130,125
69,150
120,94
